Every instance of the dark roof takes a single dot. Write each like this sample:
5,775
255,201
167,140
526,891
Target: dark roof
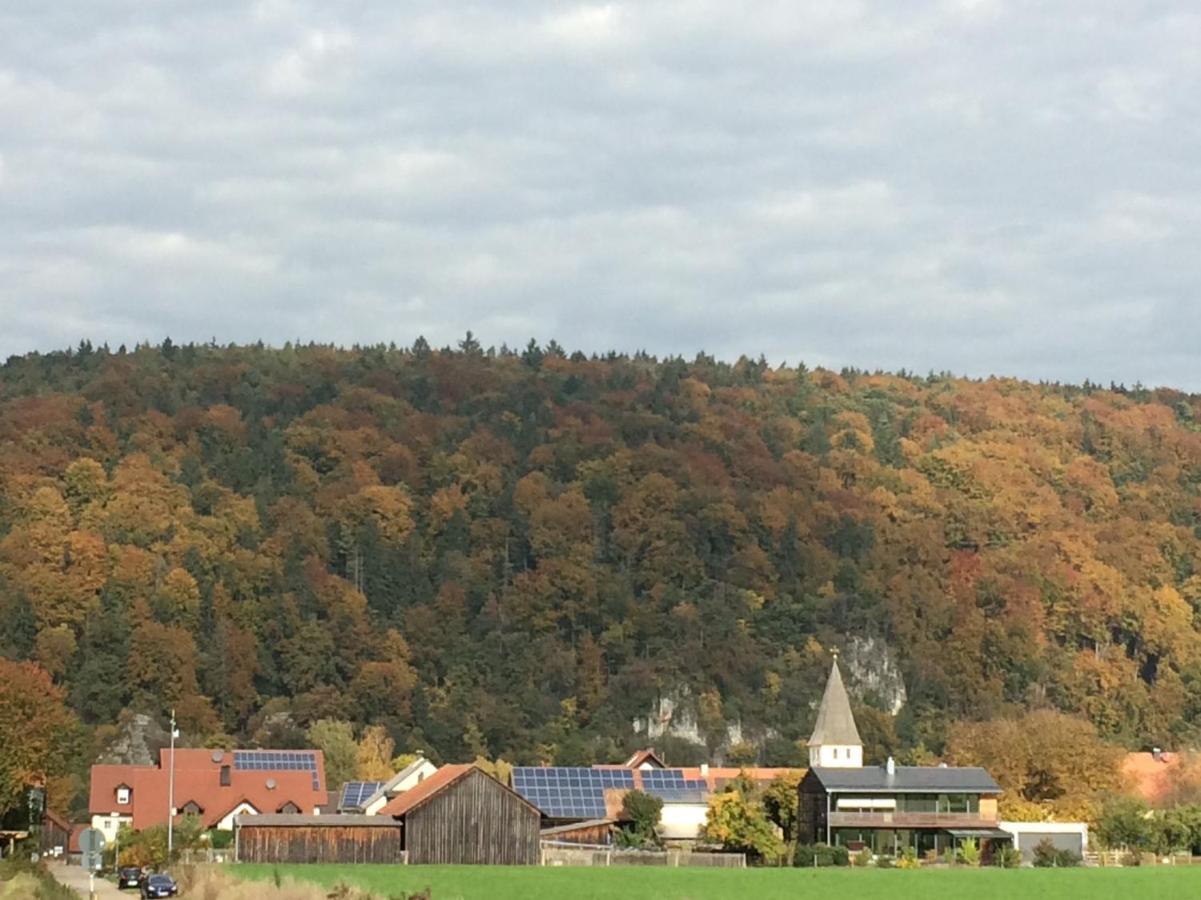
577,826
907,779
835,725
332,821
990,833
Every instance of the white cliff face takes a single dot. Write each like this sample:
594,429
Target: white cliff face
136,742
673,716
874,671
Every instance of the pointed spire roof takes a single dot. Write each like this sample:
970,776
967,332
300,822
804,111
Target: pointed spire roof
835,724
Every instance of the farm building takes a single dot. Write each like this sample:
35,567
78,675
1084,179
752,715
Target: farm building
570,795
318,839
592,833
462,815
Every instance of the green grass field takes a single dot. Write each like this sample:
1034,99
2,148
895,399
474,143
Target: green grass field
501,883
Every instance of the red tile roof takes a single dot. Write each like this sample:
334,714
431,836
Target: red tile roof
198,780
415,796
1152,776
645,756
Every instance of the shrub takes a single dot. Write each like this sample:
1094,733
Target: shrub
1007,857
221,840
885,862
1048,856
862,859
821,855
908,859
969,853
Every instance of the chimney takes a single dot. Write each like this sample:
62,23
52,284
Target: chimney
1157,754
891,766
704,770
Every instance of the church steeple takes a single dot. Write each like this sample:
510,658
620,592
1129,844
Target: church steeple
835,742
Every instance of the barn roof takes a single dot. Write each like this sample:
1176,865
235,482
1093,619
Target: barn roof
577,826
297,821
402,804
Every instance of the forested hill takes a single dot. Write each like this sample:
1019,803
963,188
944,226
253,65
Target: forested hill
516,554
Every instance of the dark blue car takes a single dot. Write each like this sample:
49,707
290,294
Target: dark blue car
159,886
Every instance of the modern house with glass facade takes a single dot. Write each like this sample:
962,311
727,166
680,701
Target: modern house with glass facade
888,808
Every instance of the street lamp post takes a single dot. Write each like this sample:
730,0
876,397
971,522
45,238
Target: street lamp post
171,791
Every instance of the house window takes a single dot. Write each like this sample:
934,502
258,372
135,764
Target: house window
122,796
191,807
225,776
289,808
836,753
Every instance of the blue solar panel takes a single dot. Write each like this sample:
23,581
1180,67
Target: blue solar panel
278,761
355,793
569,793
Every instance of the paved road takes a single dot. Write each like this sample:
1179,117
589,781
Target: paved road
75,877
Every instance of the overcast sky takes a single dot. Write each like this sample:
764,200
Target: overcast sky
981,186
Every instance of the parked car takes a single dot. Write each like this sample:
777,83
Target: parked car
129,877
159,886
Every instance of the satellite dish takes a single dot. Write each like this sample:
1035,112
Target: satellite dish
218,755
270,784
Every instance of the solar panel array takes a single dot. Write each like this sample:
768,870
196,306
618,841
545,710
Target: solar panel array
569,793
670,784
355,793
278,761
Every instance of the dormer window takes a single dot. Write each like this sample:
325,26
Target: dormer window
225,776
123,793
191,808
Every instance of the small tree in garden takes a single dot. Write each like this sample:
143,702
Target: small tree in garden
740,824
969,852
1124,823
642,811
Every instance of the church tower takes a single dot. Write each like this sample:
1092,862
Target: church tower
835,743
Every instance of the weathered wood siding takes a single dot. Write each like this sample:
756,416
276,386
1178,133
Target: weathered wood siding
474,821
811,810
591,834
320,844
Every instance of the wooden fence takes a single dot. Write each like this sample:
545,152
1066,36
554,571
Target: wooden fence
555,853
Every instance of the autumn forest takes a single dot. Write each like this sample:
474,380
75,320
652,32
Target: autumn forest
518,553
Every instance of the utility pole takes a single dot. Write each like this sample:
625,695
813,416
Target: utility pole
171,791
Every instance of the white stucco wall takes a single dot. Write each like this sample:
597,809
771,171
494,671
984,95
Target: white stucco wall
227,823
109,825
682,821
836,757
410,781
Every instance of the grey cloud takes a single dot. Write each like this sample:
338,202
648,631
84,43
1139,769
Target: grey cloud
974,185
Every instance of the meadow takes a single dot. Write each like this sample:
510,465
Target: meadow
500,883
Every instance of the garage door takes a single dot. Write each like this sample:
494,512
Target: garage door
1031,839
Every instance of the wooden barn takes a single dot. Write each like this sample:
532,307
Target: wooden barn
461,815
591,833
318,839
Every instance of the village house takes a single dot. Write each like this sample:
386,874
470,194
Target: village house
216,785
581,804
888,808
369,797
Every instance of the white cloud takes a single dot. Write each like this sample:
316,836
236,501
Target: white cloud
299,69
846,182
